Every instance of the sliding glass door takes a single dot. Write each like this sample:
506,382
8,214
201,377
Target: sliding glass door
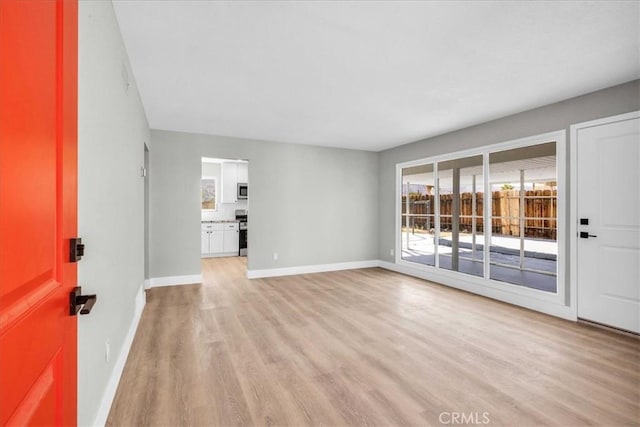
443,214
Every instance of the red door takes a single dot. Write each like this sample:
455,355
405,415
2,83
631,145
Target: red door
38,140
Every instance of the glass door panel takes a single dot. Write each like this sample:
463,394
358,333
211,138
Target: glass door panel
418,214
524,243
460,195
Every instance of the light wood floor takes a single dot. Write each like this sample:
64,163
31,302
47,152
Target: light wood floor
364,347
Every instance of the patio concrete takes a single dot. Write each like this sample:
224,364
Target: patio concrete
503,251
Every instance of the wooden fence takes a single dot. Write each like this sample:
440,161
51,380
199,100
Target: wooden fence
540,212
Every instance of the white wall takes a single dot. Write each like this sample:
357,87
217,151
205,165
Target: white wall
112,129
311,205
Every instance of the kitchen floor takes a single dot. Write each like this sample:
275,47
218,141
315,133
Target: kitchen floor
364,347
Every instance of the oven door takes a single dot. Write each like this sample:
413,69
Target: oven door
242,247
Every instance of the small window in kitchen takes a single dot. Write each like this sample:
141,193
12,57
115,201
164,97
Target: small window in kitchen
209,194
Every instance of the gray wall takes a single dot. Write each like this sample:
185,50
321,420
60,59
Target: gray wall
317,205
311,205
112,128
608,102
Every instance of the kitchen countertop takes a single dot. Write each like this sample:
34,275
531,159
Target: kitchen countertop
220,221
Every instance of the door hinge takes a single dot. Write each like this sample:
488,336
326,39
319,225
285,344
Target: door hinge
76,249
80,303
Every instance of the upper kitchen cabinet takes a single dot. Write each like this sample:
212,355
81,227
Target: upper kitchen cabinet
232,174
229,182
243,172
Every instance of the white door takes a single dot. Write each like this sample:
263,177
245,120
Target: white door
608,198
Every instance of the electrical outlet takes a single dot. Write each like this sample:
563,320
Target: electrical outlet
275,256
107,350
391,252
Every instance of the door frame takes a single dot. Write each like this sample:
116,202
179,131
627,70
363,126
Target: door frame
573,199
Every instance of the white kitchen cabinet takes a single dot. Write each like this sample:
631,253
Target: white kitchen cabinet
216,242
231,235
219,239
229,182
243,172
204,242
212,238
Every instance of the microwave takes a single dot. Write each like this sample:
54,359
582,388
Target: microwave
243,191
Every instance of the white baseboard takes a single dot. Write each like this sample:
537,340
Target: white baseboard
546,307
543,306
442,279
147,283
306,269
112,385
155,282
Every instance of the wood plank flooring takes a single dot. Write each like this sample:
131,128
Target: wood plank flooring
365,347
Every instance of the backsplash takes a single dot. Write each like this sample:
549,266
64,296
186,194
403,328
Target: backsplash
225,211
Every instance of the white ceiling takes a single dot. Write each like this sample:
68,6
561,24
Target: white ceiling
368,75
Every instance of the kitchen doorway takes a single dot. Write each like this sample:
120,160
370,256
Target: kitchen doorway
224,207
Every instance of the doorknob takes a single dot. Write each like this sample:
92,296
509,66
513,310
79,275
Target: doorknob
586,235
79,302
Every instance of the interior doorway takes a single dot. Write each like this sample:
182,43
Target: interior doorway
224,207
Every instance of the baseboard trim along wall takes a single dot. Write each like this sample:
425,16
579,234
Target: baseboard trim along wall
307,269
556,310
155,282
546,307
112,385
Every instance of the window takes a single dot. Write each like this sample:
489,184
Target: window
209,194
443,211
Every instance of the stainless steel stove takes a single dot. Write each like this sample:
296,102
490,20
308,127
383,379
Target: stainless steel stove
242,217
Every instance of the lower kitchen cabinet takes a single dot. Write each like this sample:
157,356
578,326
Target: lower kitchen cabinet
216,242
204,241
219,239
231,238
